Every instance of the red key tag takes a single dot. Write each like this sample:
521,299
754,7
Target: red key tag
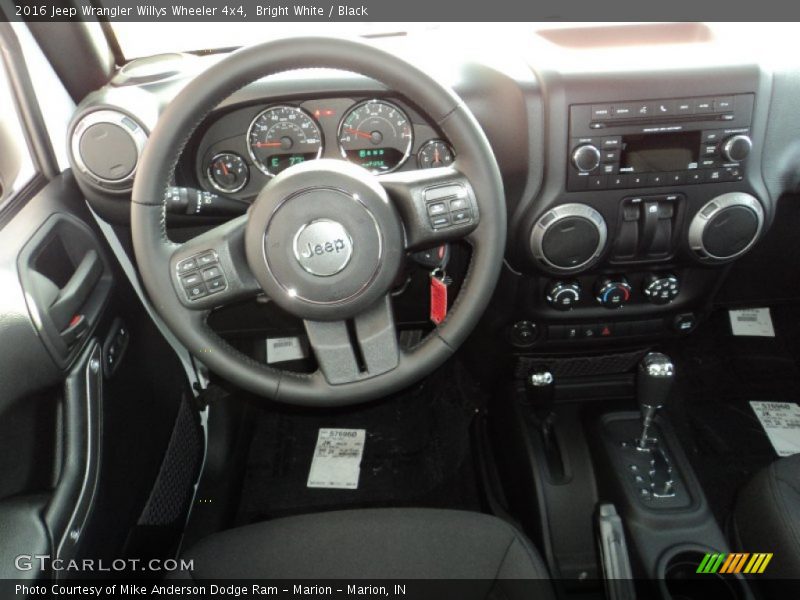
438,296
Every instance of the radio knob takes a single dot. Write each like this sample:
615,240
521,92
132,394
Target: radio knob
586,158
737,147
613,293
563,295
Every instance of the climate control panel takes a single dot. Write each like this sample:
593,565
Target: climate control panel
613,291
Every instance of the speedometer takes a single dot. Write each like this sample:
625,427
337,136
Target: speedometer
282,136
376,135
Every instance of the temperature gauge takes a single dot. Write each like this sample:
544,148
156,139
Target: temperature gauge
435,153
228,172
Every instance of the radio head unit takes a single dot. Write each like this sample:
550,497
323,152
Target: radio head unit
654,143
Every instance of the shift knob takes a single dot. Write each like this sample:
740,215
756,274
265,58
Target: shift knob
654,380
653,384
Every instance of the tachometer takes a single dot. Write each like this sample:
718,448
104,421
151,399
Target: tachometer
283,136
376,135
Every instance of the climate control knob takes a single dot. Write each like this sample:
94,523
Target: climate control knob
661,289
563,295
586,158
612,292
736,148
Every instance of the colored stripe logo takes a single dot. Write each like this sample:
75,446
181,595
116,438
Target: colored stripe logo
736,562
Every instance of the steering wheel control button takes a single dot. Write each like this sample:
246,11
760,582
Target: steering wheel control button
447,205
196,291
437,208
205,259
187,266
459,204
197,278
661,289
440,222
323,247
216,285
461,216
191,280
563,295
211,273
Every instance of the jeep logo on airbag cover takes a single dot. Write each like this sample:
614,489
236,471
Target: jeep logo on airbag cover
323,247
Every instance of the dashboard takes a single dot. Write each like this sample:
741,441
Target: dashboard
639,162
240,150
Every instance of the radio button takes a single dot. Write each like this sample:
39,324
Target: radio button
712,136
618,181
600,113
704,105
597,182
676,178
610,156
644,109
733,174
684,107
611,143
694,176
624,111
723,104
665,108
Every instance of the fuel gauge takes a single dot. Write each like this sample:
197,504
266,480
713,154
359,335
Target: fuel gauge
435,153
228,172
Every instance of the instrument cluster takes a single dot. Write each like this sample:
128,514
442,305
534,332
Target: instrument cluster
242,149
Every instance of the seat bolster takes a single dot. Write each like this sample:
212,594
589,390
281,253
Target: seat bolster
767,516
379,544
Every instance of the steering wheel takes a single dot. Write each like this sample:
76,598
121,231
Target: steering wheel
324,239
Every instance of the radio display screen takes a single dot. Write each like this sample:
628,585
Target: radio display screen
654,153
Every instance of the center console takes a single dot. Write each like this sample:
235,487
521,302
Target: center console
645,204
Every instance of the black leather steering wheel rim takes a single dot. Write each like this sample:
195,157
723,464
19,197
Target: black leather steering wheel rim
154,250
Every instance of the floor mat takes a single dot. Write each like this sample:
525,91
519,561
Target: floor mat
718,375
417,453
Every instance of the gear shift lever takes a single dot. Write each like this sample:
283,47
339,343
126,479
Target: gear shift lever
653,384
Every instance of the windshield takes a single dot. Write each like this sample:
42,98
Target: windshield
146,39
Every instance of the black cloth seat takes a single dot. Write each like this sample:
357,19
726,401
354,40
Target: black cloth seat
767,517
377,544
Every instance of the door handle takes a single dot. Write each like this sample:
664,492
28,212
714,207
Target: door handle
76,291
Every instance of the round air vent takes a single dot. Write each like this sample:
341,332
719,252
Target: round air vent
569,237
106,146
726,227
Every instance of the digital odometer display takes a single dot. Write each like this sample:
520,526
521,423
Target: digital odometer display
656,153
282,136
376,135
